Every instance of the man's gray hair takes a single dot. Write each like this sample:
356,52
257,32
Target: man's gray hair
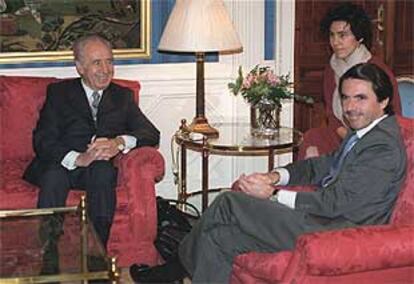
79,44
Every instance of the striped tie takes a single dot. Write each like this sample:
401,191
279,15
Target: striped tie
334,170
96,97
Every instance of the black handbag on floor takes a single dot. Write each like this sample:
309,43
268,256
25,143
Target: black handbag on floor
173,224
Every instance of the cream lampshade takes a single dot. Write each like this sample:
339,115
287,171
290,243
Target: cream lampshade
200,26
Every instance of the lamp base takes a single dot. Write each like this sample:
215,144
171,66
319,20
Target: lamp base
200,125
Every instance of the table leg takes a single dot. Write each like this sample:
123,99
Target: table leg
182,194
83,235
114,272
204,188
271,161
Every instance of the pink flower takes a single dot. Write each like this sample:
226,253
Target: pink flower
248,81
262,83
272,79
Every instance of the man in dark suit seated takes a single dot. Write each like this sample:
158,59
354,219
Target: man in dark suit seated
83,125
357,185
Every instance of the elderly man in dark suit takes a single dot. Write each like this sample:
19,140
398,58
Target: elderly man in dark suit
83,125
357,185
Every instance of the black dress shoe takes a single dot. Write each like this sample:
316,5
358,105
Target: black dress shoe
169,272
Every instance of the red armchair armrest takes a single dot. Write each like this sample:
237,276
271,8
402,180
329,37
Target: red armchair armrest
138,171
144,158
352,250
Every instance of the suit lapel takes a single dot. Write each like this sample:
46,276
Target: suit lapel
107,103
79,101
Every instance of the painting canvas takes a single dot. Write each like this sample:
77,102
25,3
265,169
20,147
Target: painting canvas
44,30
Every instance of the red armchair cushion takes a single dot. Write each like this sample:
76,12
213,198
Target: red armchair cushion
19,113
262,266
15,192
404,208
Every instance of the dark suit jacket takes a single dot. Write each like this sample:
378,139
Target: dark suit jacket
368,183
65,123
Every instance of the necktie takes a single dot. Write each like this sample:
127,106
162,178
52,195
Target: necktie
96,97
334,170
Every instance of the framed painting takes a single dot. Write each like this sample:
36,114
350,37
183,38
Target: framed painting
44,30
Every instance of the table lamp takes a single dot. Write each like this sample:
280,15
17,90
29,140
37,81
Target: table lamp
200,26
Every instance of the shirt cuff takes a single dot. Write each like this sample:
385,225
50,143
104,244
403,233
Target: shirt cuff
284,176
286,197
130,143
69,161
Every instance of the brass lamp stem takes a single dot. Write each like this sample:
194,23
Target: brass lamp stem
200,123
200,85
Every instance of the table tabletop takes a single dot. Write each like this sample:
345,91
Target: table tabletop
236,139
54,244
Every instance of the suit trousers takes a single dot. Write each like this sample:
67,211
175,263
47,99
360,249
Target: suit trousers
98,180
236,223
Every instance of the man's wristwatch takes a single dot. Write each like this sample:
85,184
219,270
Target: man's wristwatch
120,144
274,196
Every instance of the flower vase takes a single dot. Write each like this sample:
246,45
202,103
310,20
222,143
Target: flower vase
264,118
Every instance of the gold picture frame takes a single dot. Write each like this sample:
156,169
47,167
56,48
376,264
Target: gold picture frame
42,31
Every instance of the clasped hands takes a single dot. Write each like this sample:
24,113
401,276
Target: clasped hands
259,185
99,149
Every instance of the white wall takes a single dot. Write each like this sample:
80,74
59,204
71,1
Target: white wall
168,90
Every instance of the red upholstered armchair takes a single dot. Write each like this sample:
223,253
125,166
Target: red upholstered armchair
368,254
134,228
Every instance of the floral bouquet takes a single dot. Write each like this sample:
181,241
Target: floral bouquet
262,84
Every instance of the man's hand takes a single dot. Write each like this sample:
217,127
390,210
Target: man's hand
107,148
259,185
86,158
99,149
